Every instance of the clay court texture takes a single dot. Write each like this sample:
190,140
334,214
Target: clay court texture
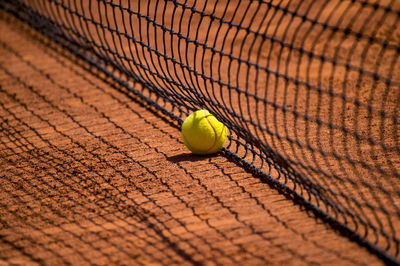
93,170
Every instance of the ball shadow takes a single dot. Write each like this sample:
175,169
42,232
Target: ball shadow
190,157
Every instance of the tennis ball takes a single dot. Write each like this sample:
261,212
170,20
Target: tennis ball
202,133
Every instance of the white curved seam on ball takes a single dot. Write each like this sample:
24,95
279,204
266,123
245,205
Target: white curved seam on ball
215,132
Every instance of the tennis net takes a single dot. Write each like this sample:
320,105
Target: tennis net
308,89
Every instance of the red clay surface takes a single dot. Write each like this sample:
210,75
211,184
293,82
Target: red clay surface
90,175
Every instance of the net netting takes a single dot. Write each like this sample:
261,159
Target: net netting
308,89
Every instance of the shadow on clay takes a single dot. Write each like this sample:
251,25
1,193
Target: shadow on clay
190,157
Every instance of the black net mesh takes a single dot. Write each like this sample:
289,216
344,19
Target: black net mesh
308,89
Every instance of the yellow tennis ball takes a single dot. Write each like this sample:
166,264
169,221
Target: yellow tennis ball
202,133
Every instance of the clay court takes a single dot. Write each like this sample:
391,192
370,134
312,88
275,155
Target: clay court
93,170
